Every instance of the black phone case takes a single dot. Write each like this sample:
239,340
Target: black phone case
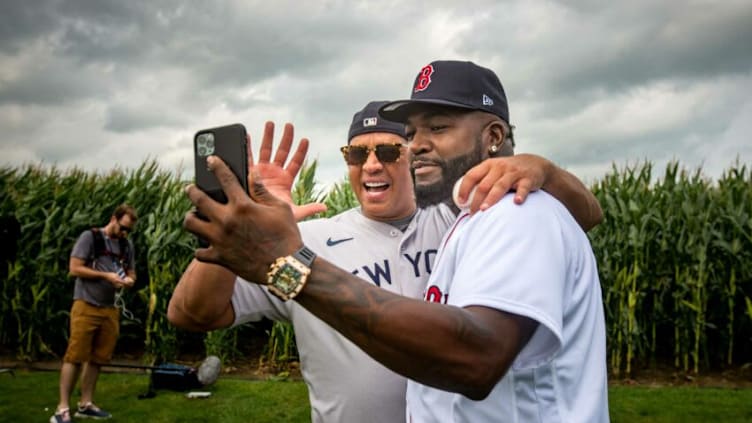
229,145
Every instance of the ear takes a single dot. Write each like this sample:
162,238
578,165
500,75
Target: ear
495,138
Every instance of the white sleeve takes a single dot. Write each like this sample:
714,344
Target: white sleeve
513,260
252,302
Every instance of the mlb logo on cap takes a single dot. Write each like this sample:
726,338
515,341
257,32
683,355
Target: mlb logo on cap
367,120
452,83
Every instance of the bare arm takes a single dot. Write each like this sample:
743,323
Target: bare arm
201,300
575,196
465,350
443,346
524,173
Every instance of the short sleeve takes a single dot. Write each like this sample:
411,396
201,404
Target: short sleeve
512,259
252,302
84,246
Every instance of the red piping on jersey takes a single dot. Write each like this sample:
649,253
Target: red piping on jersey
456,223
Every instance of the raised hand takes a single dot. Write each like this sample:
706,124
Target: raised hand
247,233
277,178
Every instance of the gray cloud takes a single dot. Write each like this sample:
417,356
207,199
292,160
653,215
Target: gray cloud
574,51
589,82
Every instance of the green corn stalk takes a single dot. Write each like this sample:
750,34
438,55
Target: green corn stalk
223,343
674,258
281,347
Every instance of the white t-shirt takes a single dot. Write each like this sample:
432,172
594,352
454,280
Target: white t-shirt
344,383
531,260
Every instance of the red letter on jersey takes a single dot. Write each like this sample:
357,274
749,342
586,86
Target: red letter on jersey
433,294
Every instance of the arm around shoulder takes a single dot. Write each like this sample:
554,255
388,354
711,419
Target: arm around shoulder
575,196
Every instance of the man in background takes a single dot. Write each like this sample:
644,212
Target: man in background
103,262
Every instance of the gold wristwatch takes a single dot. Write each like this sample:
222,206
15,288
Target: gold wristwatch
288,275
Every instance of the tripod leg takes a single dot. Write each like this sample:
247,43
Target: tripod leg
150,392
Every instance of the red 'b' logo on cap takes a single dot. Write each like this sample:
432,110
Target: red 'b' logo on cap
424,78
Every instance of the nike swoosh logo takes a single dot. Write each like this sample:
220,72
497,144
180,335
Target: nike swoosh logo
332,242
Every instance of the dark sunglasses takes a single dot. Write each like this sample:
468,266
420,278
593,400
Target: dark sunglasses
124,228
358,154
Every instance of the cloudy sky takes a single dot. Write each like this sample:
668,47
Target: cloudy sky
99,84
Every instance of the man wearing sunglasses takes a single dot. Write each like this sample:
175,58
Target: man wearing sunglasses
102,261
388,241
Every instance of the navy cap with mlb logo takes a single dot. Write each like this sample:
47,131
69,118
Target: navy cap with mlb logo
452,83
368,120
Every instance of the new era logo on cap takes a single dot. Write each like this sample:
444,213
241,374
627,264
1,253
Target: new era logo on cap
452,83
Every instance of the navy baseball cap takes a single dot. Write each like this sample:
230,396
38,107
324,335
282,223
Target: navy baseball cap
368,120
452,83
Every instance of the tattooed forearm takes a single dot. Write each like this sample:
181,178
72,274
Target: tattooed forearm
442,346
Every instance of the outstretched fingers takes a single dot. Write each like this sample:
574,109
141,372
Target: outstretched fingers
267,142
285,144
298,158
283,149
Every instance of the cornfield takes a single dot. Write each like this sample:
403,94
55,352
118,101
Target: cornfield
674,255
675,261
53,208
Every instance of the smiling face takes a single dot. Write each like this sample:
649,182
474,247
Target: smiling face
384,190
445,143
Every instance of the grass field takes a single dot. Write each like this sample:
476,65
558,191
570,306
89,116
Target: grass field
32,396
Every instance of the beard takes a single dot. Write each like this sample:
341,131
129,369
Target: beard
451,171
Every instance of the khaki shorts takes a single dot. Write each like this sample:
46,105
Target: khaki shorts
93,333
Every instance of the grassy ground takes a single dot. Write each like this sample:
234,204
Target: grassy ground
679,404
32,396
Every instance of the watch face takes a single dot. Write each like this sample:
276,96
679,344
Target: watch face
288,278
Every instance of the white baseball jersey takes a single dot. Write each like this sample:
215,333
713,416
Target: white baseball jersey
531,260
344,383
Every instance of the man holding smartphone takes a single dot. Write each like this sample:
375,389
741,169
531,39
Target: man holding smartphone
102,261
389,242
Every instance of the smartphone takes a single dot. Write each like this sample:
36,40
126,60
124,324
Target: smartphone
229,144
